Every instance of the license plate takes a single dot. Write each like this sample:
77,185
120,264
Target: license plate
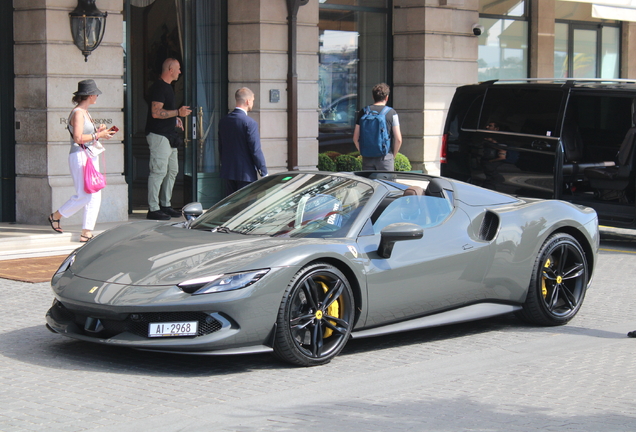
169,329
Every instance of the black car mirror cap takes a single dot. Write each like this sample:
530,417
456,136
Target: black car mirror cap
192,211
397,232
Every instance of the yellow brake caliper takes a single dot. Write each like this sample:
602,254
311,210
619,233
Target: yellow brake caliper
544,289
333,310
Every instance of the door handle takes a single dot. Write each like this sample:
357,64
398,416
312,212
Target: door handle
541,145
186,135
200,123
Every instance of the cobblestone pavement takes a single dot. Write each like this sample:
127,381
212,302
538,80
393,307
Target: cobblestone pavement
492,375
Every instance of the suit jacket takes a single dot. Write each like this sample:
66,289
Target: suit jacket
240,147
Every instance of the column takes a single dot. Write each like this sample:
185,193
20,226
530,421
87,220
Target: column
542,13
435,51
628,53
257,58
47,68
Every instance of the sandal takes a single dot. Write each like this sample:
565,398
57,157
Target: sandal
84,239
57,221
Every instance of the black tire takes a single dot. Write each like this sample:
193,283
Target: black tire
315,316
558,284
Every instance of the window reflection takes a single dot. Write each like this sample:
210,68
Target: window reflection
502,7
299,205
503,49
353,58
579,48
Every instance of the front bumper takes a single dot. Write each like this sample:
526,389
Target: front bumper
216,333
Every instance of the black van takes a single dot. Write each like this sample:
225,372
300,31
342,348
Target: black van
566,139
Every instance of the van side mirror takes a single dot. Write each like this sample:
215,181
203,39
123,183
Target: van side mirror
397,232
192,211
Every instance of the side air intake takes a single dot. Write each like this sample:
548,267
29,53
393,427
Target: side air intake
489,226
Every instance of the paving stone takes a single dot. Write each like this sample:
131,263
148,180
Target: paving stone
494,375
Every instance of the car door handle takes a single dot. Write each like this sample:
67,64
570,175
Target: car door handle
540,145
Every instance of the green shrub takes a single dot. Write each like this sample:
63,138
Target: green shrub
325,163
402,163
348,163
355,153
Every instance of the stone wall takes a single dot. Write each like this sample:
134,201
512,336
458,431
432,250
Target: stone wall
47,68
434,52
257,58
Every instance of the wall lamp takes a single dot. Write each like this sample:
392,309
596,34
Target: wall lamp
87,26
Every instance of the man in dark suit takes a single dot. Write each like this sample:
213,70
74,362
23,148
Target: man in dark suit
240,145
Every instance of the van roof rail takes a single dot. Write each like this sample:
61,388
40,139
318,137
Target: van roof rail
565,81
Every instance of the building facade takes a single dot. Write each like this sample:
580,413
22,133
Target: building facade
311,65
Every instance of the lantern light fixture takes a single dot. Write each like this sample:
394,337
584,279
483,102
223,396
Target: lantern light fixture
87,26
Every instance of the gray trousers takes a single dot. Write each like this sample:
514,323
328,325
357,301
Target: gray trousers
382,163
164,167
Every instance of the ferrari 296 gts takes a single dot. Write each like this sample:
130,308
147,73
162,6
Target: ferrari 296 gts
298,263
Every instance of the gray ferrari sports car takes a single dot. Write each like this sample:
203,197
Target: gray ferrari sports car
299,262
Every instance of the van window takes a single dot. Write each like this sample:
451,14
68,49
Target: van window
601,123
472,115
523,110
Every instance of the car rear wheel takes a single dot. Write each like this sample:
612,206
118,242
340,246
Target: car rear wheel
315,316
558,283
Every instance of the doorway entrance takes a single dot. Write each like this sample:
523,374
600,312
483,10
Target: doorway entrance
193,32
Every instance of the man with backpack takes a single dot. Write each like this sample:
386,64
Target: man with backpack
377,133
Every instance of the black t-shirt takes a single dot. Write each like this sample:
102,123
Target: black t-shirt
162,92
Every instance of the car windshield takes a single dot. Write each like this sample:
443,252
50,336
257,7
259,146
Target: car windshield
290,205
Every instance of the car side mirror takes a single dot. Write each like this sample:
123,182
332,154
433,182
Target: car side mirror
397,232
192,211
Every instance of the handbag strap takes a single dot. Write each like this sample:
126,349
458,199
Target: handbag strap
101,170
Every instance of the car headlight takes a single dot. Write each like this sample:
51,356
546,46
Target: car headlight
66,264
222,282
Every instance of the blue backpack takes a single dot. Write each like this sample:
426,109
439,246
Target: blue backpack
375,140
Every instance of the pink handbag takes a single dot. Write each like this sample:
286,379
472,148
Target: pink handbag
94,181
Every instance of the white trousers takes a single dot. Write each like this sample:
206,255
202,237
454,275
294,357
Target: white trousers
89,202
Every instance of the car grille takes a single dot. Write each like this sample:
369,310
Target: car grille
137,323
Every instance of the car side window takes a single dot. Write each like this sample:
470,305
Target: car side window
531,111
425,211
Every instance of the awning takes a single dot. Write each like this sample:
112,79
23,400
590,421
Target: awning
621,10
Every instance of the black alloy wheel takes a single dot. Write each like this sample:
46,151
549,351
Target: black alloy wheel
315,317
558,284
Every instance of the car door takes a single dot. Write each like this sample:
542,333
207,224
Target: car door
442,270
518,134
597,125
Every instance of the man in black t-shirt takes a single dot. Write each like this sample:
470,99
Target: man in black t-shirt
163,119
387,162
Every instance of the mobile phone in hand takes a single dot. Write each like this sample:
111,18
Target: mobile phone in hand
114,129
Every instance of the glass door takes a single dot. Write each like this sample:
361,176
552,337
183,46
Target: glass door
584,49
204,35
193,32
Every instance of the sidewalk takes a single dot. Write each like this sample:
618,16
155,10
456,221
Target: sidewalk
26,241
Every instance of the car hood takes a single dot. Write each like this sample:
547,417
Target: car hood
145,253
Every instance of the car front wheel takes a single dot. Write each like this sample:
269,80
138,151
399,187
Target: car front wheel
558,283
315,316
